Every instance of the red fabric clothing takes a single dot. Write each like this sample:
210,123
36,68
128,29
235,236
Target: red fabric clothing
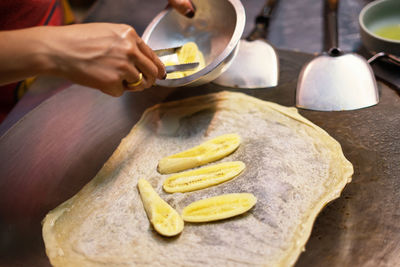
19,14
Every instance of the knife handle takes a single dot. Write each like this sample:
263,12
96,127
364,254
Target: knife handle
260,30
331,25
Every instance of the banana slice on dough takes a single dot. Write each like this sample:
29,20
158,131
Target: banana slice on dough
219,207
165,220
203,177
204,153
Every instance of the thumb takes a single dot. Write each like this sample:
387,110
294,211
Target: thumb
185,7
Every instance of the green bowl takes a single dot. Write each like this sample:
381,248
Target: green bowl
376,16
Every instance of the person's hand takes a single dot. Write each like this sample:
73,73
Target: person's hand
185,7
106,56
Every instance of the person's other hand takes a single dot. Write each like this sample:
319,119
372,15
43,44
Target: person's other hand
185,7
104,56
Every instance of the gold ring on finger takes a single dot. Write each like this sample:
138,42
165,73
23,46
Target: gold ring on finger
137,83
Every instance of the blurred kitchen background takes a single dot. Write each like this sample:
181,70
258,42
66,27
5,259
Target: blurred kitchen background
285,30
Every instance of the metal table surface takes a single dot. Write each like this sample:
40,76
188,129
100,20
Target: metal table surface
50,149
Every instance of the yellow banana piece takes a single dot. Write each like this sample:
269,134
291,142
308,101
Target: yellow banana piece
176,74
219,207
188,53
203,177
165,220
204,153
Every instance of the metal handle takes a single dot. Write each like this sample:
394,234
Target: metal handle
331,26
262,21
389,57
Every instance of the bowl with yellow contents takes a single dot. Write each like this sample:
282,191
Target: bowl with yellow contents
380,26
211,38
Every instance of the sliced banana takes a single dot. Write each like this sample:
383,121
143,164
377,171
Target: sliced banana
165,220
203,177
219,207
176,74
188,53
204,153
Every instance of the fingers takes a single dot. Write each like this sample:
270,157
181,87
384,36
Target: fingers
106,56
144,61
134,80
185,7
148,68
135,63
154,58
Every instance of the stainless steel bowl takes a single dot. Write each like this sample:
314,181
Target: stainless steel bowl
375,15
216,28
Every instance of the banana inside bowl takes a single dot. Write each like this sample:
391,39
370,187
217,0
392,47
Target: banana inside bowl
189,53
216,29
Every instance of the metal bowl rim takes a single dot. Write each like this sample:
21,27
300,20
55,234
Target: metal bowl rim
366,29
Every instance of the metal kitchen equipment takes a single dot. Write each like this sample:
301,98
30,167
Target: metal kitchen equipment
372,18
216,28
335,80
176,67
181,67
257,64
391,58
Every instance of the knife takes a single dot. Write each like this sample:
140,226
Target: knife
181,67
166,51
177,67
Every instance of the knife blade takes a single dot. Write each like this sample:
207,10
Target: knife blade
178,67
181,67
166,51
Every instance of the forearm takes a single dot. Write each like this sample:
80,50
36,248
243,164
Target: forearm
23,53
